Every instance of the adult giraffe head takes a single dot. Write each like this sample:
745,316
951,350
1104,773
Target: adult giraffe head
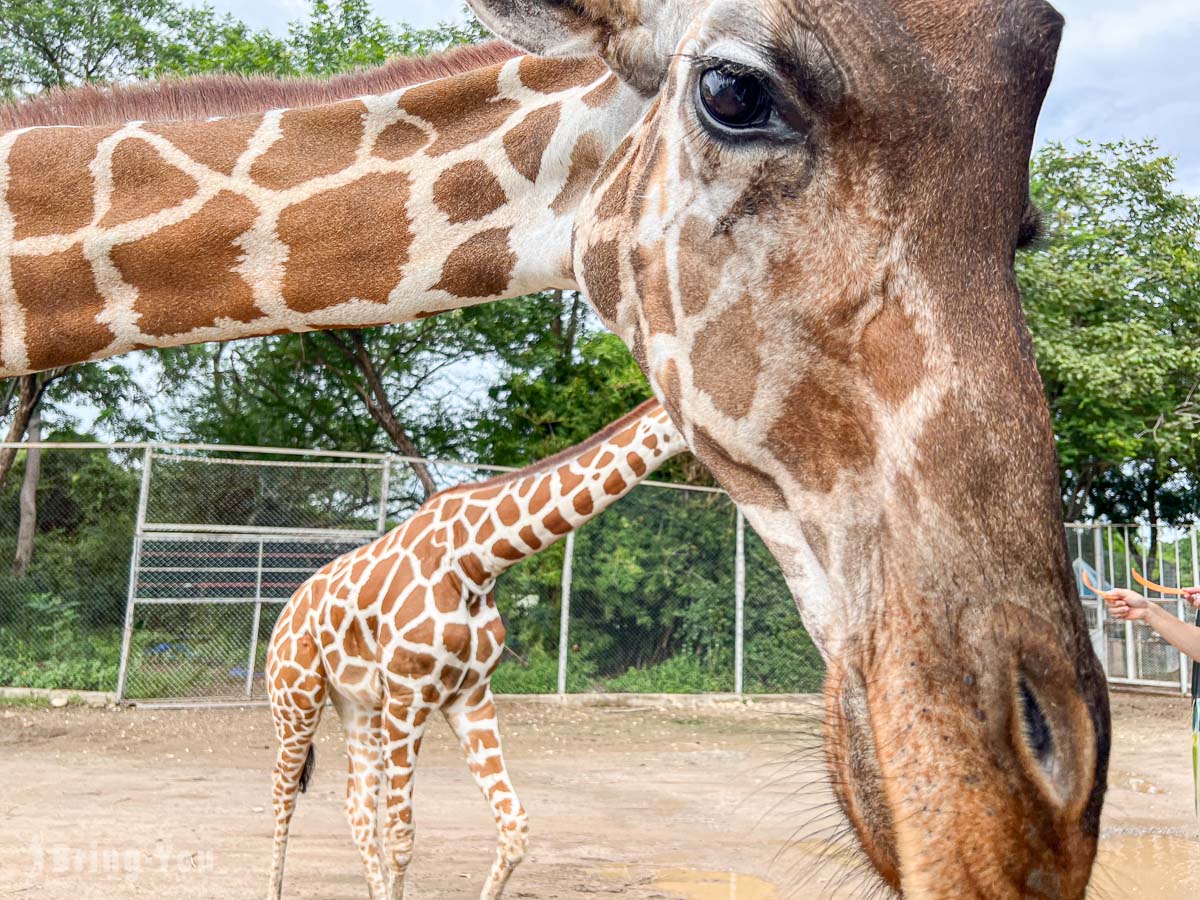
808,242
800,214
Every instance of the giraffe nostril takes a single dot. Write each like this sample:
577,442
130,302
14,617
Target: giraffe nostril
1038,734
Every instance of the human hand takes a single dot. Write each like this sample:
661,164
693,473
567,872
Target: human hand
1192,596
1128,606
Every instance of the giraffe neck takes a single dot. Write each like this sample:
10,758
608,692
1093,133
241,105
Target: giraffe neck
377,210
516,516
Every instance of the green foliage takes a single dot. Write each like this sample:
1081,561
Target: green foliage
1113,298
54,43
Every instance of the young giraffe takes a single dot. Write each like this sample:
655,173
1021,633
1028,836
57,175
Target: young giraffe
408,624
800,215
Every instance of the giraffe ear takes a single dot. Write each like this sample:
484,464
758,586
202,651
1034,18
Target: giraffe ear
624,32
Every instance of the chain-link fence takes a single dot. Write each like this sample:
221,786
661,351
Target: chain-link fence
1130,652
158,572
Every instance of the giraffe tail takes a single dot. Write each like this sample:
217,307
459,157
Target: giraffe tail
310,765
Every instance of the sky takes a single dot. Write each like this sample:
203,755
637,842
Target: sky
1127,68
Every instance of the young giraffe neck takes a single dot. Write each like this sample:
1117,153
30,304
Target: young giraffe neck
509,519
377,210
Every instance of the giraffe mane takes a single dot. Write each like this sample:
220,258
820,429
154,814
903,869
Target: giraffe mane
550,462
222,96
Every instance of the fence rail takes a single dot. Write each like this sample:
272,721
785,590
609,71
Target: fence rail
159,570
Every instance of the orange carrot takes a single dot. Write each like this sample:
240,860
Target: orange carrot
1151,586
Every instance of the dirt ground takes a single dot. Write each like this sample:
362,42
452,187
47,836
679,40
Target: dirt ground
715,803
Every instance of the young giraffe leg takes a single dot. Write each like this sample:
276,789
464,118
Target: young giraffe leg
364,781
403,728
296,704
478,732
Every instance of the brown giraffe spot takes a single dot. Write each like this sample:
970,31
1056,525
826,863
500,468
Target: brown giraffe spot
555,523
530,538
526,143
496,633
477,697
481,266
50,185
702,256
69,324
483,740
468,191
217,144
421,633
451,677
746,483
588,459
348,243
420,522
447,594
606,459
613,202
626,437
637,464
356,642
602,278
586,159
143,183
541,496
821,434
419,718
200,285
893,354
489,493
603,93
725,359
337,615
547,75
359,567
407,664
504,550
508,511
354,674
583,503
430,694
614,484
457,640
463,109
654,287
486,530
492,766
382,571
569,479
473,568
460,534
450,509
475,513
315,141
400,140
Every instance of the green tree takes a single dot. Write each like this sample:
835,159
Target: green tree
1113,298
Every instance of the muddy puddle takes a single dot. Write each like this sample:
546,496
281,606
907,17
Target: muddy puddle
1158,866
694,885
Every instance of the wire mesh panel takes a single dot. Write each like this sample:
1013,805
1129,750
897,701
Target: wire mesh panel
780,656
200,493
204,606
652,597
1131,652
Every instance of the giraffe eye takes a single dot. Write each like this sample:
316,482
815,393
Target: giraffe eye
737,101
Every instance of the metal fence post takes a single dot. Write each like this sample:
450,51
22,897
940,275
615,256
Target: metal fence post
258,576
565,618
385,485
134,560
739,614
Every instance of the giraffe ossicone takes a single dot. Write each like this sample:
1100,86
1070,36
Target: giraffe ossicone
408,625
800,215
